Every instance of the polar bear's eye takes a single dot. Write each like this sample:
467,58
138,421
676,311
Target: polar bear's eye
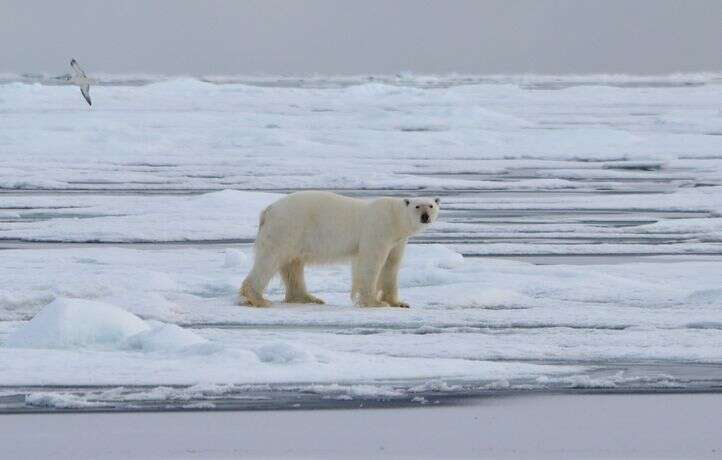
431,206
417,207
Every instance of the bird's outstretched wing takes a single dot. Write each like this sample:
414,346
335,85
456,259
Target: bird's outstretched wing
78,71
85,89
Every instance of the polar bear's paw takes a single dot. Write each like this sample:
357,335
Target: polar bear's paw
371,303
304,298
393,302
399,304
259,303
250,298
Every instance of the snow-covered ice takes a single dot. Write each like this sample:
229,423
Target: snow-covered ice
66,323
125,232
247,348
189,134
472,319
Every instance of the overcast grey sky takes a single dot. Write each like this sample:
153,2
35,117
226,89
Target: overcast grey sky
201,37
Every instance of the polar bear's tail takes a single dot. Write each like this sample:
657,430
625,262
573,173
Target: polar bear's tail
262,218
262,235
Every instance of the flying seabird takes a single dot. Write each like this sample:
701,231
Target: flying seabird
81,80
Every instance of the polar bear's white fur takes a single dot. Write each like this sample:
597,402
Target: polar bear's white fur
322,227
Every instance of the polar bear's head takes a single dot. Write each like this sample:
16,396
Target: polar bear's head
422,211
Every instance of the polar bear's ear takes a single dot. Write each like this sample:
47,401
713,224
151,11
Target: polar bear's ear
437,201
406,200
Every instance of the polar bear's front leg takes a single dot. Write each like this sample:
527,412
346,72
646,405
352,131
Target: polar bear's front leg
366,269
388,280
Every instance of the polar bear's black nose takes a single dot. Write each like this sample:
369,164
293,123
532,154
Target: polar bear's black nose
425,218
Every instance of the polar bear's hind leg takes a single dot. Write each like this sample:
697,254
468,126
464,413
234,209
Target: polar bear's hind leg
264,267
293,279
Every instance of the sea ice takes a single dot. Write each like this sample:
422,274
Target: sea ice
526,166
77,323
85,324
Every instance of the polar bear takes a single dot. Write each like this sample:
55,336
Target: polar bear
316,227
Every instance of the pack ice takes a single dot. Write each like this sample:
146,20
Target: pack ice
579,243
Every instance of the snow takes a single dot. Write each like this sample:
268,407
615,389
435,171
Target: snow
559,224
76,323
186,133
282,353
225,214
349,391
136,351
126,229
58,401
161,336
234,258
470,319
